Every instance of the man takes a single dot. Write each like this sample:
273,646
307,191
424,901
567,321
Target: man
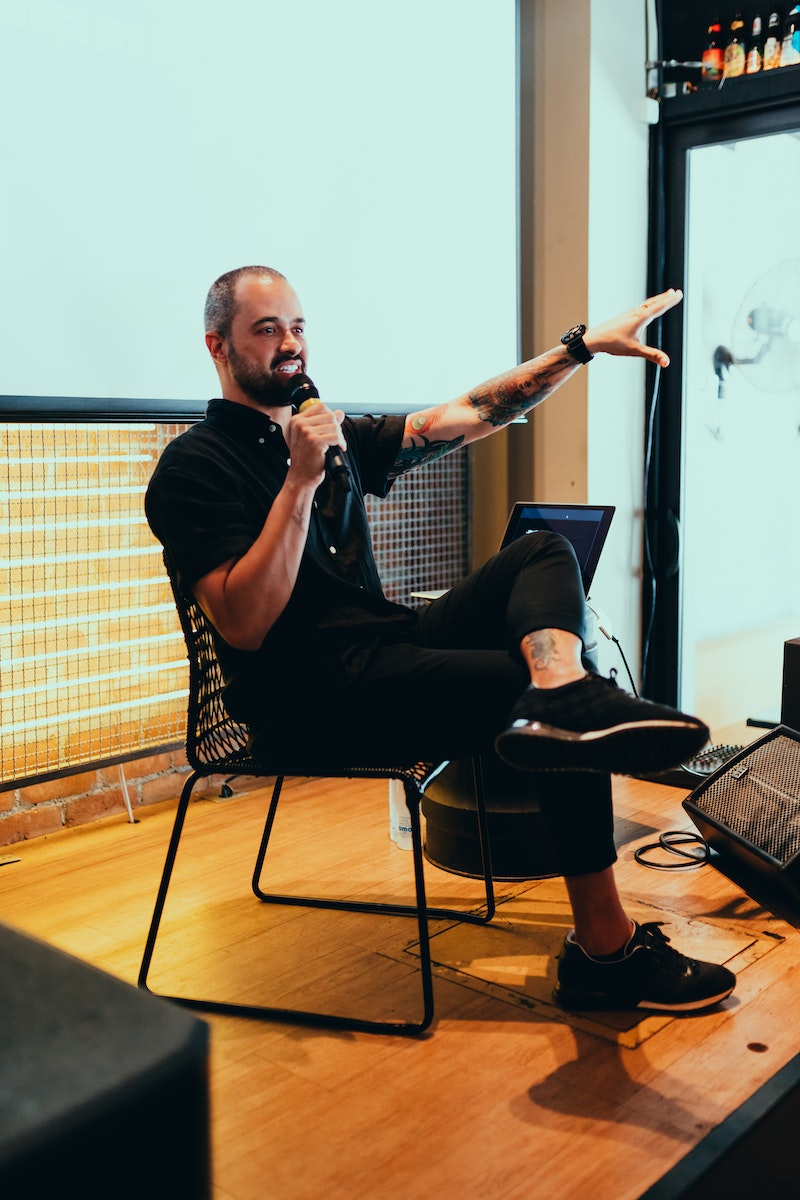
276,549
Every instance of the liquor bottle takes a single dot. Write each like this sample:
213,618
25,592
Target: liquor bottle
713,56
773,43
755,51
734,51
790,50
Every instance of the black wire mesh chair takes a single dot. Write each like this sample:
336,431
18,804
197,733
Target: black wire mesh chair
216,744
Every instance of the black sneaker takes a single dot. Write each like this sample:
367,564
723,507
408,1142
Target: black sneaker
592,725
650,974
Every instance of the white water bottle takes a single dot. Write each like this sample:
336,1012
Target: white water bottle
399,816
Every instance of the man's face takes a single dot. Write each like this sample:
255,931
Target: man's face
267,345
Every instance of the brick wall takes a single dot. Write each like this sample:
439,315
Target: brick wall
38,809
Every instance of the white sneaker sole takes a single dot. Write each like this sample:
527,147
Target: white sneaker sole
626,749
597,1002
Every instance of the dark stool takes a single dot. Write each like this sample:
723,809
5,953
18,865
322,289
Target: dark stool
521,847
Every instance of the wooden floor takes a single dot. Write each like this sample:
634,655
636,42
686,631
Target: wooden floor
501,1098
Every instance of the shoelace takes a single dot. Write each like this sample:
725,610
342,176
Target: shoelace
659,943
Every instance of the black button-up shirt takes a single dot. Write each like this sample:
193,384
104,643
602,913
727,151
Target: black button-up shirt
207,502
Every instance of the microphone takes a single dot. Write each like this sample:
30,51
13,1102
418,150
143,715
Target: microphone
303,394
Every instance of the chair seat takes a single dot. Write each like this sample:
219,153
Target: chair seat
221,747
420,773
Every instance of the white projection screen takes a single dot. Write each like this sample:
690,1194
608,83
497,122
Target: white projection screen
366,149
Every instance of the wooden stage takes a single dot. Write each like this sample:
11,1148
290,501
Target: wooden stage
506,1096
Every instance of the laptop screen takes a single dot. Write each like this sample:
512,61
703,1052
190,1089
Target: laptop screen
585,525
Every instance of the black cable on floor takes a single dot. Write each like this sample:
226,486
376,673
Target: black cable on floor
671,843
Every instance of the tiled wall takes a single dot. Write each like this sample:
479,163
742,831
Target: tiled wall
421,532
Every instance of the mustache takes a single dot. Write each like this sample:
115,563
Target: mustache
279,359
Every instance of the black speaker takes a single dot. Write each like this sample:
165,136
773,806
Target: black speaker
103,1088
790,696
749,809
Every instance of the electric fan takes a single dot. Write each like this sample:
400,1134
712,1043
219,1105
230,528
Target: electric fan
765,339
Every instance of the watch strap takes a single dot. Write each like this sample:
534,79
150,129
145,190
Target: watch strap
573,340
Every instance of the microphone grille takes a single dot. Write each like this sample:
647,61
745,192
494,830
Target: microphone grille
301,388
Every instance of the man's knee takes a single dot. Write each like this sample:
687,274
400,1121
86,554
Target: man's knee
541,545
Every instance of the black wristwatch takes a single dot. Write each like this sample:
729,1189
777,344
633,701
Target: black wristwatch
573,340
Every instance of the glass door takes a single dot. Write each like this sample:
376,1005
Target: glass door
739,530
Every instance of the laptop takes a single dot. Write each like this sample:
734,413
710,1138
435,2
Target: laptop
585,525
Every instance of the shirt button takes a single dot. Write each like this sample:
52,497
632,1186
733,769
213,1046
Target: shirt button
332,549
261,441
272,428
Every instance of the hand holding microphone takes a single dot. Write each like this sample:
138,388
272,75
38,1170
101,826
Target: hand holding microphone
304,395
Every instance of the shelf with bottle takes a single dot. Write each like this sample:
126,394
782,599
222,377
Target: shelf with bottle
733,54
777,47
741,69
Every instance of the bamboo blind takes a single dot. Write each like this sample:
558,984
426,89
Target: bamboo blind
92,660
92,664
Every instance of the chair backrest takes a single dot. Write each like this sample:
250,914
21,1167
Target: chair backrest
215,741
213,737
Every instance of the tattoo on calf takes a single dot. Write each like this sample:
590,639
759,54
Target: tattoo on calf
423,450
542,647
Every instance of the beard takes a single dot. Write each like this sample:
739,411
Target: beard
258,383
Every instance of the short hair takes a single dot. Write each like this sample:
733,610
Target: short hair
220,306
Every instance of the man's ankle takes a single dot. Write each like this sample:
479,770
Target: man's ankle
605,947
545,680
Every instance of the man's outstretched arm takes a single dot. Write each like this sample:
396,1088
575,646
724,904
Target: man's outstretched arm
433,432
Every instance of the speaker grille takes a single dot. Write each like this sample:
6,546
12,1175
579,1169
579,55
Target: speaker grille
757,796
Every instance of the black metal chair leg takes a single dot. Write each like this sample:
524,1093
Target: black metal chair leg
423,915
483,836
413,800
300,1016
265,836
166,876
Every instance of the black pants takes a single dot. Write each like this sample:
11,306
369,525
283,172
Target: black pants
448,692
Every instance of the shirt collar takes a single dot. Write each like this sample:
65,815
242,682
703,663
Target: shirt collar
240,418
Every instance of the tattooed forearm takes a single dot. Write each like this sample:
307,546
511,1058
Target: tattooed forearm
508,396
423,450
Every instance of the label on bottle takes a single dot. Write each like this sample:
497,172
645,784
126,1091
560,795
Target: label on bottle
713,64
772,53
734,60
753,60
790,53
